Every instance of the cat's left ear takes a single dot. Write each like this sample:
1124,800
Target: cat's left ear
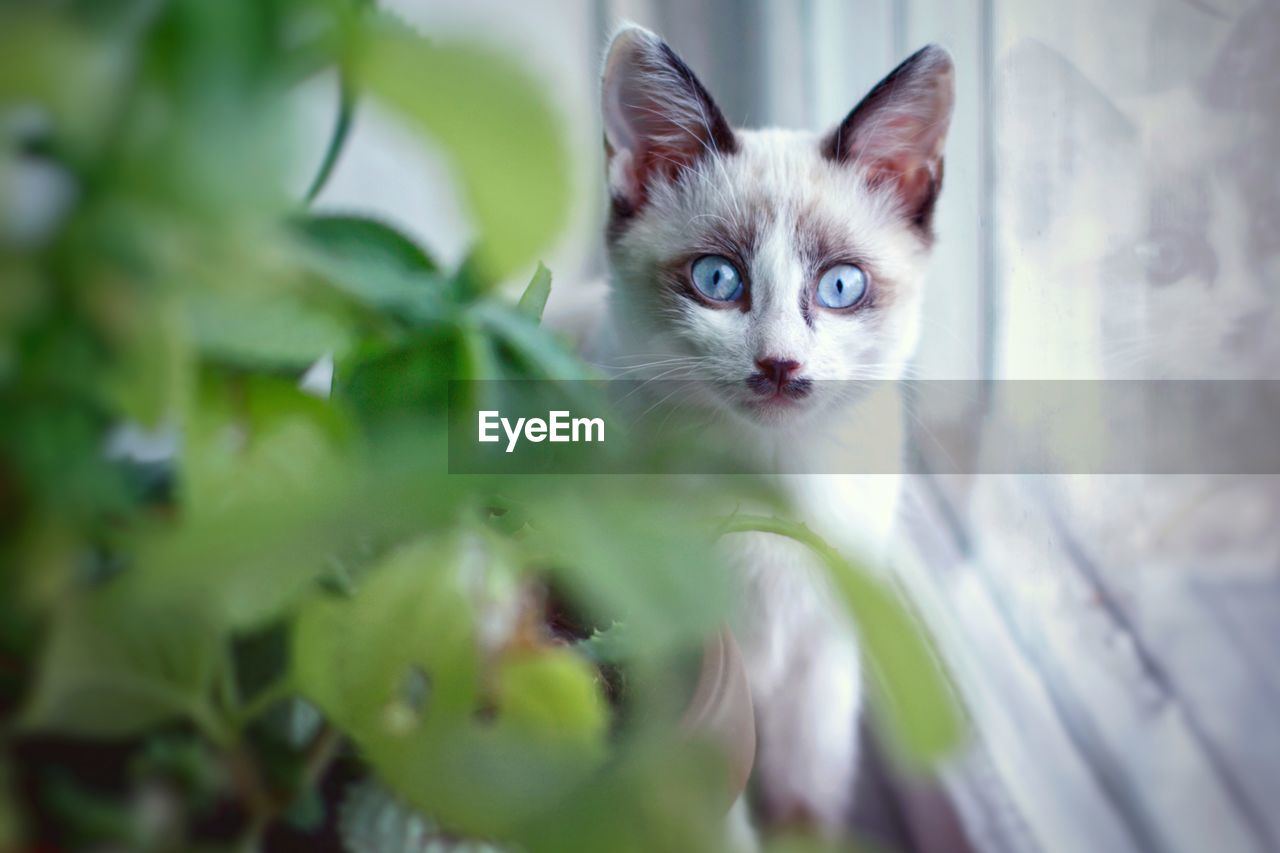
658,119
896,133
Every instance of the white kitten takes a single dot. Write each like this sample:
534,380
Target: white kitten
776,270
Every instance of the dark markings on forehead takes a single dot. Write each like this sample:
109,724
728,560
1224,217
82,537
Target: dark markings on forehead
735,233
822,244
742,230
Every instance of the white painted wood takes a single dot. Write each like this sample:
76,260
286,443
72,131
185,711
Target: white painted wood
850,47
1131,727
1024,784
1146,616
954,308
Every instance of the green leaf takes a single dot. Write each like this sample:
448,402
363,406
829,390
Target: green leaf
482,361
150,377
376,265
365,240
552,694
534,299
359,658
91,818
111,669
13,812
661,794
494,124
258,440
307,811
598,539
611,645
261,458
183,761
264,330
46,60
397,666
409,380
916,699
541,352
480,780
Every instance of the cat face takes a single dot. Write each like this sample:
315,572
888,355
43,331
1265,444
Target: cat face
760,264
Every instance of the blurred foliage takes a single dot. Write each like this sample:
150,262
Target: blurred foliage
226,597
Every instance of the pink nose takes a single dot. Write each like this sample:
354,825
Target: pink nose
778,371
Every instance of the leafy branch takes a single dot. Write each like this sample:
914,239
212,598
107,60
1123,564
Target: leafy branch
917,701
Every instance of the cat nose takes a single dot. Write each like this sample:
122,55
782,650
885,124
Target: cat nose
778,371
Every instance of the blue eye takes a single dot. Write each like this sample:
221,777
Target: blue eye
841,286
716,278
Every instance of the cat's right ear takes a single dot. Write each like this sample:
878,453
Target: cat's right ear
658,119
896,133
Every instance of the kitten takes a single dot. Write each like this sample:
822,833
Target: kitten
775,270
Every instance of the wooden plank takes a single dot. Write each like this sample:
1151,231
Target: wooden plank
1025,785
1171,600
1136,733
956,291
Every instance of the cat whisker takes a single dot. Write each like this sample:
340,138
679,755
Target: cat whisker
664,399
646,382
617,372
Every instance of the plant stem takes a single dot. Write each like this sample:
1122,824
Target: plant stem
245,771
797,531
319,756
264,806
263,701
341,130
919,701
210,724
228,686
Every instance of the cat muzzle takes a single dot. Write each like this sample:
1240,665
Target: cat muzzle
777,379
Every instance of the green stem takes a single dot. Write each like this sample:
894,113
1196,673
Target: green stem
338,138
210,724
228,686
254,794
919,701
251,841
798,531
262,702
323,750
